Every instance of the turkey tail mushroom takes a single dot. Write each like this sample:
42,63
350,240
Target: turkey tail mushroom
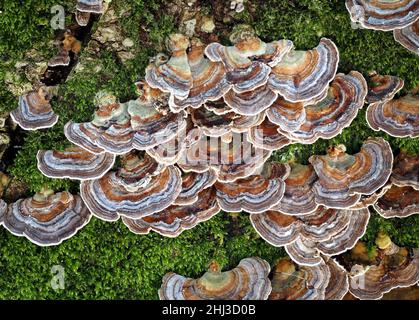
74,163
383,15
304,75
343,178
172,221
46,219
408,37
248,281
34,111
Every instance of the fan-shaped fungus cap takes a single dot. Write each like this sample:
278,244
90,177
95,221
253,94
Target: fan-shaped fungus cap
46,219
338,285
397,117
233,159
34,111
408,37
383,88
209,80
153,127
109,130
74,163
92,6
172,75
82,18
280,229
396,268
406,170
289,116
327,118
248,281
61,59
266,136
243,73
251,102
343,178
304,75
293,282
138,189
172,221
299,196
347,237
307,252
275,52
193,184
83,135
398,202
383,15
254,194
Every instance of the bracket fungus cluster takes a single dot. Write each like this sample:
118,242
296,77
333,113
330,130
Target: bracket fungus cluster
306,238
197,140
399,16
343,178
248,281
325,281
391,267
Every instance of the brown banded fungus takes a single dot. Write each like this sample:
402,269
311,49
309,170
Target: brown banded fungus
193,184
248,281
280,229
298,198
408,37
383,15
396,268
327,118
289,116
406,170
232,159
383,88
74,163
46,219
172,75
251,102
139,188
254,194
172,221
243,73
307,252
86,7
397,117
398,202
293,282
338,285
267,136
343,178
34,110
304,75
208,79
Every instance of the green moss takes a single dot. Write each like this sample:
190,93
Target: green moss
105,260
